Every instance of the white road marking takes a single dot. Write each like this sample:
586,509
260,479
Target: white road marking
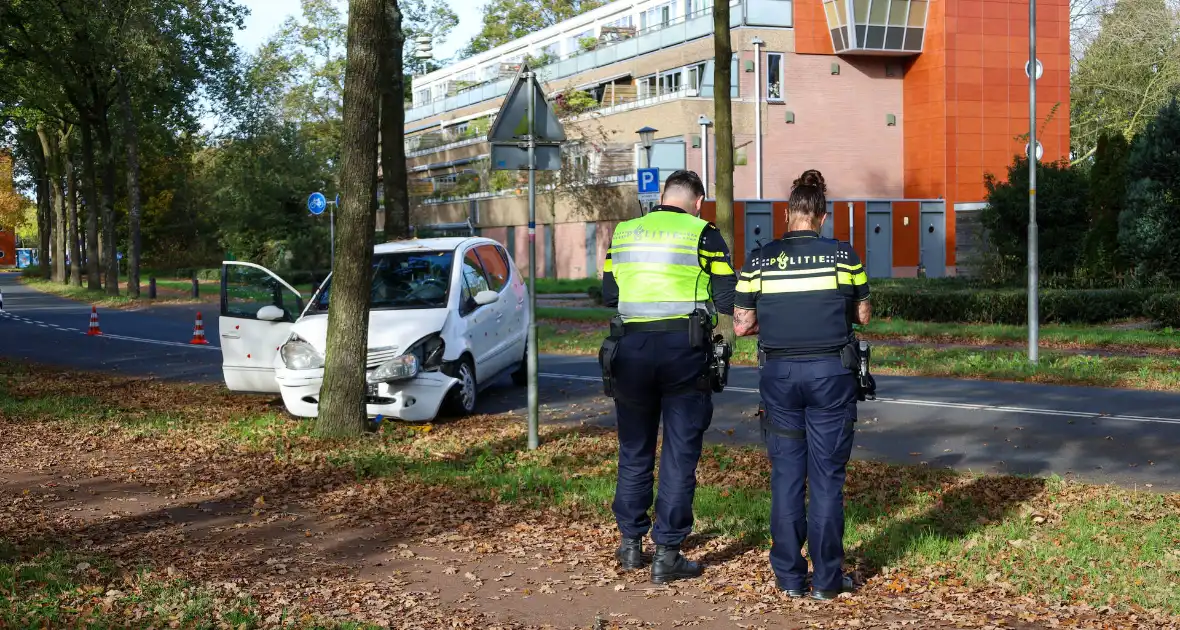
944,405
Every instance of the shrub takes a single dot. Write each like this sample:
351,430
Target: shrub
1009,306
1149,225
1062,194
1164,308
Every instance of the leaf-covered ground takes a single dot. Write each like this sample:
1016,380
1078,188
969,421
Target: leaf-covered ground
141,504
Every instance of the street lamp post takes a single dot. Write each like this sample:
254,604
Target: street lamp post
1034,159
704,122
647,137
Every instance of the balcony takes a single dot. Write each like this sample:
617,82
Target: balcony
777,13
878,27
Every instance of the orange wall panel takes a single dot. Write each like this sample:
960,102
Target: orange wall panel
7,248
811,28
966,98
778,221
739,233
860,219
905,237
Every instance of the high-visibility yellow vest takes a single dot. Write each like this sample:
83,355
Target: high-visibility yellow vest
656,262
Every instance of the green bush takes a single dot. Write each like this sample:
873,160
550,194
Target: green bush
1164,308
1062,202
32,271
1009,306
1149,224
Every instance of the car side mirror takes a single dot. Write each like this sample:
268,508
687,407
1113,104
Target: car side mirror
483,298
271,313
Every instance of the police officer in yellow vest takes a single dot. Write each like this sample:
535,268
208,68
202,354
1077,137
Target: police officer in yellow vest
669,273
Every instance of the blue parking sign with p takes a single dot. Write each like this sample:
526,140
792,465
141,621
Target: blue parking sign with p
649,181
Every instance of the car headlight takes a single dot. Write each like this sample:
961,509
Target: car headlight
429,352
299,355
395,369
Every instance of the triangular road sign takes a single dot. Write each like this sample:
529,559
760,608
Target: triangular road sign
511,124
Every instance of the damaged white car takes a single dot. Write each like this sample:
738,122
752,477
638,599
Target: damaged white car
447,317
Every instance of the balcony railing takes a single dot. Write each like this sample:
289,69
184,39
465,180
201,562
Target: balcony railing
700,24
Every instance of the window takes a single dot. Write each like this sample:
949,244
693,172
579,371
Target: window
774,76
495,263
404,280
670,82
656,17
647,86
693,7
422,96
573,44
696,76
622,22
474,281
248,289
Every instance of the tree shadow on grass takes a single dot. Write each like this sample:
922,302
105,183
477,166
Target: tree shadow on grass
957,513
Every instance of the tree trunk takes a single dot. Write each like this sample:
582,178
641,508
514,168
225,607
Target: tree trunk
90,198
74,236
131,138
723,130
56,217
107,193
44,225
393,114
342,408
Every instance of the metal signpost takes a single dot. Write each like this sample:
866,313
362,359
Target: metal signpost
527,135
649,187
316,203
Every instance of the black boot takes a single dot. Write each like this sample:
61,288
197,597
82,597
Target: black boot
846,586
630,554
668,565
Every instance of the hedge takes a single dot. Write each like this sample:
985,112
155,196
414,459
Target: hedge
1010,306
1164,308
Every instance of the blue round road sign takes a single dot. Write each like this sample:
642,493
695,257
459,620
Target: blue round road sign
316,203
337,200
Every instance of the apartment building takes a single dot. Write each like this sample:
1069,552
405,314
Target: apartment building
904,105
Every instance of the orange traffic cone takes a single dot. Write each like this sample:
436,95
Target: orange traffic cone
94,329
199,332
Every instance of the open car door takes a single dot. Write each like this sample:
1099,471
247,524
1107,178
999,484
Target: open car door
258,309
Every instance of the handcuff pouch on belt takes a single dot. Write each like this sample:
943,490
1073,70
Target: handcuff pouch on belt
607,353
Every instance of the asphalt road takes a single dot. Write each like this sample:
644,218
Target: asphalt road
1095,434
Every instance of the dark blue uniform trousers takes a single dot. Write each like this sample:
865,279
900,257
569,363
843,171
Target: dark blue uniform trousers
656,374
817,397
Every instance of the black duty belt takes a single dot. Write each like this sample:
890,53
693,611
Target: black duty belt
663,325
779,355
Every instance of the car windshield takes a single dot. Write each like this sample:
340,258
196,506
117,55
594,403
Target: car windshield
417,279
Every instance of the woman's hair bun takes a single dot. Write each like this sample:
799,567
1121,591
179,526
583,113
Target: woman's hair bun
812,178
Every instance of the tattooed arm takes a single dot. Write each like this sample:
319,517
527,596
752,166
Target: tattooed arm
745,322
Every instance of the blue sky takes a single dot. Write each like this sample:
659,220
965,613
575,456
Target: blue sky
266,16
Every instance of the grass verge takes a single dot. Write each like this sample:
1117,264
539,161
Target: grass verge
102,299
1150,373
1060,542
1059,336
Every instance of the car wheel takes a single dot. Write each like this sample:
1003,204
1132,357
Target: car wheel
520,377
463,396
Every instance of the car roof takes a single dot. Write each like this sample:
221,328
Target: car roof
450,243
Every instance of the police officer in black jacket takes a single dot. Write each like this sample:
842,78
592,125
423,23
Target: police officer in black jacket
801,294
